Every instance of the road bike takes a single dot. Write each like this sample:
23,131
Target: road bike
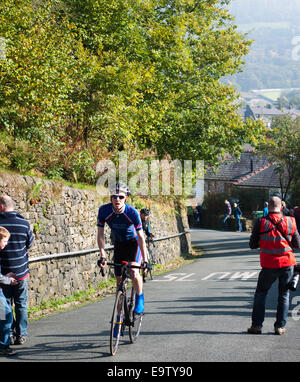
151,260
123,312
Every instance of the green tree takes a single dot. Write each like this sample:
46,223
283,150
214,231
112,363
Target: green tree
83,79
41,69
282,145
44,65
159,75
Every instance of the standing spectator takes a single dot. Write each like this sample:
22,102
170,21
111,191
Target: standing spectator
14,258
296,214
275,235
227,213
265,210
237,214
196,216
285,211
6,315
199,208
145,218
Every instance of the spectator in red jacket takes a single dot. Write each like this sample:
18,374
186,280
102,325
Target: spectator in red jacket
275,235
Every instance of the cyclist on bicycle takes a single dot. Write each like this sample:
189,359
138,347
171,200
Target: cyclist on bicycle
145,222
129,245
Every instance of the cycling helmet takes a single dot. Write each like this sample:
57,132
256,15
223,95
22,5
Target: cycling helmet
120,187
145,211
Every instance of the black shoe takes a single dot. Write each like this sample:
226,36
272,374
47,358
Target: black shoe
254,330
7,352
20,340
12,339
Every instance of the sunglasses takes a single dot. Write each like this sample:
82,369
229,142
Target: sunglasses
118,196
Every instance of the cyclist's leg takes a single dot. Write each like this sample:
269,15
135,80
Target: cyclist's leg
130,251
118,314
118,260
118,280
135,258
137,282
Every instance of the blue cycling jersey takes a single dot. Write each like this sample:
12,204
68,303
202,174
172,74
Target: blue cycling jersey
124,225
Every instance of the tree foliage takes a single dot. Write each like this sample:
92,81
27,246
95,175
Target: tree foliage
282,145
87,78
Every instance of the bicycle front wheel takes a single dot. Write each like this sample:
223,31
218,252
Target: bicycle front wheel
117,322
135,319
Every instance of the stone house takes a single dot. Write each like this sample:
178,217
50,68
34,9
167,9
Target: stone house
251,173
264,113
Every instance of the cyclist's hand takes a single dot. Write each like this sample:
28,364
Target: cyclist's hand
101,264
145,267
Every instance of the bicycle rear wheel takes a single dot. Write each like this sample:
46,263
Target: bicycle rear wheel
116,322
148,274
152,263
135,319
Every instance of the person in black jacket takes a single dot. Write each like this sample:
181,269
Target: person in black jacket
14,258
144,213
237,214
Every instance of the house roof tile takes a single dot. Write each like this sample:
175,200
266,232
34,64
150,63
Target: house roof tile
250,171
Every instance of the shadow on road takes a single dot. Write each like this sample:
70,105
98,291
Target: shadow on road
63,349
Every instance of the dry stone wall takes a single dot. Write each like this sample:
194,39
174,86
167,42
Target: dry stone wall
63,220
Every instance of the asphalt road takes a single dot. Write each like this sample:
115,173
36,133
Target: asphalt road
198,313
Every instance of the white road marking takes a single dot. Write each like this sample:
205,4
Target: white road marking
177,277
234,275
242,275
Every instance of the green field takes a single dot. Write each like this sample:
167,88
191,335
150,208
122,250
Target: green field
272,94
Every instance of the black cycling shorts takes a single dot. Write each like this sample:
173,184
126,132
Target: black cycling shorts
126,251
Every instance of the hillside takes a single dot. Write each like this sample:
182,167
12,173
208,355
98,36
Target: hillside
274,58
